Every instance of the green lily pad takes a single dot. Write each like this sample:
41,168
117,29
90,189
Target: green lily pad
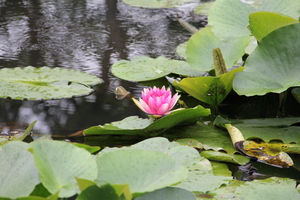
270,129
229,18
271,188
157,3
18,174
263,23
45,83
146,127
208,89
211,137
59,163
145,170
201,44
143,68
273,66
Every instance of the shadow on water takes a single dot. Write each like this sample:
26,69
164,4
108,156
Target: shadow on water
82,35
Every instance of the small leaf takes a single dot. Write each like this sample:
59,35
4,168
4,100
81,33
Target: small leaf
168,193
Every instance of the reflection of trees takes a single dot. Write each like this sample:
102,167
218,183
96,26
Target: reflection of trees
86,35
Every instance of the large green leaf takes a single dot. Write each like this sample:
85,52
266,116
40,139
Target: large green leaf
143,170
263,23
273,66
229,18
287,7
18,174
44,83
59,163
143,68
146,127
208,89
157,3
201,44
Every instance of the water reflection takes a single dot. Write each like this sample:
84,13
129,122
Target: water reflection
85,35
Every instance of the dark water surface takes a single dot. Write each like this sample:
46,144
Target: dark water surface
84,35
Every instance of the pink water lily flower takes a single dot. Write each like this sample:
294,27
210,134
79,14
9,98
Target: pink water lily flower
156,101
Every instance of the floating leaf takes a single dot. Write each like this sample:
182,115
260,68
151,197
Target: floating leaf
263,23
18,174
44,83
269,129
157,3
201,44
59,163
143,68
273,66
224,157
271,188
146,127
145,170
208,89
94,192
210,136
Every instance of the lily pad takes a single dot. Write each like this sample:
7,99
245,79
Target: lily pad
59,163
229,18
263,23
143,68
145,170
273,66
45,83
211,137
271,188
18,174
157,3
201,44
208,89
146,127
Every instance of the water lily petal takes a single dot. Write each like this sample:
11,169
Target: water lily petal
163,109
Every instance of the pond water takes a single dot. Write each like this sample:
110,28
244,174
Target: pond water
84,35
